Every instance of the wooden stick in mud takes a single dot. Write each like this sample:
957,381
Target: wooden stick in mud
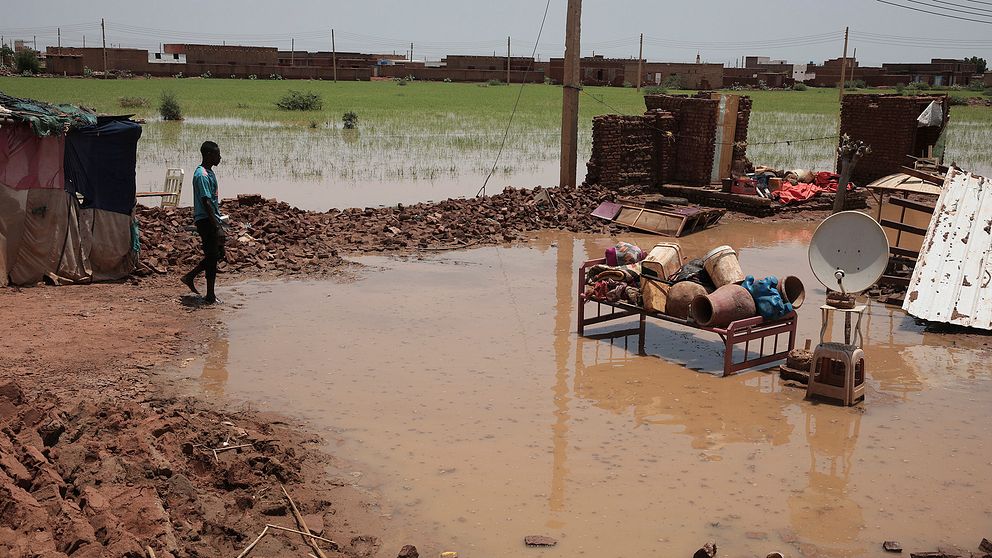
150,552
303,524
253,543
311,535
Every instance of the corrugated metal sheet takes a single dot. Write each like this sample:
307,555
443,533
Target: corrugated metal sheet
952,282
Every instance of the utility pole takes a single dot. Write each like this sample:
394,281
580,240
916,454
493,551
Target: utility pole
34,40
411,52
843,66
334,57
60,39
84,41
640,58
292,51
508,60
103,33
571,84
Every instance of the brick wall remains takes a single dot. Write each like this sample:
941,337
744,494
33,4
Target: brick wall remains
887,123
695,135
623,151
673,142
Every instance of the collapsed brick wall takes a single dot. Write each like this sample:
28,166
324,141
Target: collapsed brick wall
740,134
678,131
695,136
623,151
887,123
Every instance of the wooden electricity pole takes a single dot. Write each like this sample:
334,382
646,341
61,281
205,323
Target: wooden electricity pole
292,51
508,61
60,39
571,83
334,56
411,52
843,66
103,33
640,58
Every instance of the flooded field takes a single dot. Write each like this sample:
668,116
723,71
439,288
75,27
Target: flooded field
459,387
319,165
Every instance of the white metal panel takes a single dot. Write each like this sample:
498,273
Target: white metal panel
952,282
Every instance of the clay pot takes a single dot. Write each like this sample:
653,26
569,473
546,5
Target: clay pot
724,305
680,298
792,290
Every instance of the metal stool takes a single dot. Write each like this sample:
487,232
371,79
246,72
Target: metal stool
838,369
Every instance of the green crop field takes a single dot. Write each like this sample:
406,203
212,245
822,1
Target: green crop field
410,131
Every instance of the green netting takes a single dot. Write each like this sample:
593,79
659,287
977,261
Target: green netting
46,119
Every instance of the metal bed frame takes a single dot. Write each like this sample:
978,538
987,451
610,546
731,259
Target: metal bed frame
746,331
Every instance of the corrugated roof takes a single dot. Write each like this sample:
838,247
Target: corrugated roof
952,282
903,183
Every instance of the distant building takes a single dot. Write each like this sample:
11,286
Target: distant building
598,70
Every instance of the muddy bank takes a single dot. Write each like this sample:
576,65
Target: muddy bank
100,456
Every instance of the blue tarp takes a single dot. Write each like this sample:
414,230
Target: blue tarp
100,162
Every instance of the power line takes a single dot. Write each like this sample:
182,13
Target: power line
934,13
963,6
523,82
969,11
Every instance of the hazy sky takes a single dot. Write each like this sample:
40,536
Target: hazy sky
721,30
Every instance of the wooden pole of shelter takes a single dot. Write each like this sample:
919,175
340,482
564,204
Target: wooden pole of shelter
103,33
571,84
334,57
508,60
843,66
640,59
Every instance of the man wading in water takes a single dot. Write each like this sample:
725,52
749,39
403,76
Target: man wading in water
206,217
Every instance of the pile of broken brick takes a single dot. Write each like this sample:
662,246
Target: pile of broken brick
270,236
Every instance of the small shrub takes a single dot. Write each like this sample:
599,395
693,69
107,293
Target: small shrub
252,77
300,100
919,86
147,76
762,85
132,102
410,77
314,124
169,107
401,82
494,82
901,88
799,86
206,75
957,101
179,76
988,92
26,62
855,84
87,72
350,120
628,85
674,81
976,86
276,77
655,90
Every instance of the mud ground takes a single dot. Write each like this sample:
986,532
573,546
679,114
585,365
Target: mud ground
102,453
101,456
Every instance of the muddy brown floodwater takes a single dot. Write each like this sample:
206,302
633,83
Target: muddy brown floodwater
459,383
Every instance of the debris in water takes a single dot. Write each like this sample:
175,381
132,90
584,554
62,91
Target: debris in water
892,546
708,551
408,551
539,540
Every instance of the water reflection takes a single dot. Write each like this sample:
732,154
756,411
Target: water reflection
824,513
214,375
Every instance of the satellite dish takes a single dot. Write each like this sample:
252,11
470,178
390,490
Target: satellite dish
849,252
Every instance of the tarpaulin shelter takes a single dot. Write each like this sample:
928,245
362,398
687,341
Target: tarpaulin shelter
67,193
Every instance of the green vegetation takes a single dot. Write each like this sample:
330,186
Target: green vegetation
6,54
26,62
132,102
300,100
433,130
982,64
169,107
350,120
799,86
